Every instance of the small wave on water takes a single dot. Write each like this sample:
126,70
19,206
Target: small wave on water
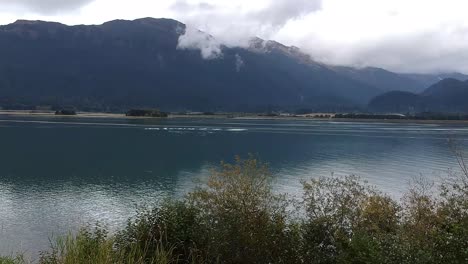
195,129
237,129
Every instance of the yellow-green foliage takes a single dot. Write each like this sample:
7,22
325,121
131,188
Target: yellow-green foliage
243,220
96,248
12,260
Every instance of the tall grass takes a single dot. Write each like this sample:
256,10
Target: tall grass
94,247
12,260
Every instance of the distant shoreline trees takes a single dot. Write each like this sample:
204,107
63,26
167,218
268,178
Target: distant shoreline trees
146,113
66,112
418,116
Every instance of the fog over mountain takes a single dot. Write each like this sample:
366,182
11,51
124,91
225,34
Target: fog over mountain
358,33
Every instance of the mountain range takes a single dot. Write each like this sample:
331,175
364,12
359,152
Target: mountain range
127,64
448,96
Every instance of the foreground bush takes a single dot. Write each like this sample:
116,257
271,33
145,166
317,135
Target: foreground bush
237,218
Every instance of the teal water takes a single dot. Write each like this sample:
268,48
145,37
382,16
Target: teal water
59,174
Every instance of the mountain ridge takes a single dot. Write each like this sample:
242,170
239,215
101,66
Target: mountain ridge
448,95
138,63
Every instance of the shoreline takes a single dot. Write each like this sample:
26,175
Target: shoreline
246,116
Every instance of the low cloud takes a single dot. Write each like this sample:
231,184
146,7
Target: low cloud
184,6
405,41
45,7
429,52
279,12
234,25
194,39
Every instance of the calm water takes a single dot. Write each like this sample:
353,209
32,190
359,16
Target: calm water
59,174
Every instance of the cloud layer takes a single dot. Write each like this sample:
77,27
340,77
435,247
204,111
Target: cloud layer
234,24
43,6
399,35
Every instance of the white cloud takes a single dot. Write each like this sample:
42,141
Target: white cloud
401,35
43,6
194,39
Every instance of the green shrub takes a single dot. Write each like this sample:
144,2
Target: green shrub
334,208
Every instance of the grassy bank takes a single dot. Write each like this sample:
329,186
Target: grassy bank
237,218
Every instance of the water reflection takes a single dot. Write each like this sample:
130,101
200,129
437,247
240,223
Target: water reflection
59,174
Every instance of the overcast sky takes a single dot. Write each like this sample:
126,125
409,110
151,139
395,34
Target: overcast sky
400,35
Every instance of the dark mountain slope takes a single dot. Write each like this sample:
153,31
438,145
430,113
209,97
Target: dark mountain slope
382,79
397,102
446,89
448,95
124,64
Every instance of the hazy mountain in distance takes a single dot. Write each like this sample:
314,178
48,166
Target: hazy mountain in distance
391,81
449,95
429,79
